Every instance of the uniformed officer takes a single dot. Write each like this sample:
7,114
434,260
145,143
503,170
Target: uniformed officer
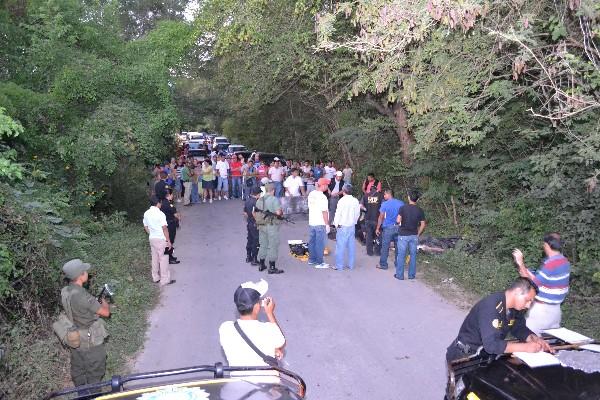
493,318
88,360
173,222
161,187
268,232
252,240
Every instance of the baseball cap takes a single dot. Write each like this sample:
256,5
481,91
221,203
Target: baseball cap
249,293
339,173
75,267
276,159
323,181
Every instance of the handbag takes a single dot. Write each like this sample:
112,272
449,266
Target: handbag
272,361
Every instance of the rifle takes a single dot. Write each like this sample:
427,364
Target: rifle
270,214
106,293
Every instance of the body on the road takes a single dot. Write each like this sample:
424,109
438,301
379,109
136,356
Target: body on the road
88,359
346,217
411,221
552,279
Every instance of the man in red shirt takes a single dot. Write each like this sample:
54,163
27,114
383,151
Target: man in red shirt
236,177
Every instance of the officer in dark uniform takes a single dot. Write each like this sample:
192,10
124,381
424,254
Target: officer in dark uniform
173,222
88,359
493,318
160,188
371,202
252,238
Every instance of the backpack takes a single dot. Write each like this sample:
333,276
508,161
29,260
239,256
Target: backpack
259,215
64,327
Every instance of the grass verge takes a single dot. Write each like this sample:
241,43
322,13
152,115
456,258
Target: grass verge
35,363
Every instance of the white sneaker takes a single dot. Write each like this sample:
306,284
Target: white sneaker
204,200
178,200
210,201
219,197
225,197
322,266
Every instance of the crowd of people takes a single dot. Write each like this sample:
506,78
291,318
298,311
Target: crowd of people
332,206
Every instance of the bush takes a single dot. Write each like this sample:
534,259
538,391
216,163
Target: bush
36,237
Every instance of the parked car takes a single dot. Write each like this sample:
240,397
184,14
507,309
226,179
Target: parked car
200,153
196,137
213,384
235,147
220,143
504,377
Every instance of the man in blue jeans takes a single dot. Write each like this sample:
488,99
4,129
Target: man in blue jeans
412,223
346,216
318,223
386,226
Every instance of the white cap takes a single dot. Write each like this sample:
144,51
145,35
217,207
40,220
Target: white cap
339,173
264,181
261,286
276,159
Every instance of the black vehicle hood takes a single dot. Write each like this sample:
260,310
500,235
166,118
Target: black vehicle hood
510,379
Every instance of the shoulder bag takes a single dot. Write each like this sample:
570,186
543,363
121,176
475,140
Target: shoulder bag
272,361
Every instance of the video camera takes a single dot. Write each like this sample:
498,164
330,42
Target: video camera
106,293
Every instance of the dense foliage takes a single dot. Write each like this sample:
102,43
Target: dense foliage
86,104
492,108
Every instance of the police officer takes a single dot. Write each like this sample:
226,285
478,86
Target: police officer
493,318
252,240
161,187
268,231
173,221
88,360
371,203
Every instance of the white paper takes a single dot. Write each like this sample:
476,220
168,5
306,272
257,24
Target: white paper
568,335
591,347
539,359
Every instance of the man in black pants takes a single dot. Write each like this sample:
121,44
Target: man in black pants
252,239
371,202
173,219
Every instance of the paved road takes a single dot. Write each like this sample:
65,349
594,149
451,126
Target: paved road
351,335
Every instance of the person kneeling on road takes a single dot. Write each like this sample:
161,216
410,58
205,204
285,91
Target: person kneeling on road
238,337
267,214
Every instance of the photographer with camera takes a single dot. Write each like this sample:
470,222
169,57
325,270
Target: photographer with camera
248,341
86,338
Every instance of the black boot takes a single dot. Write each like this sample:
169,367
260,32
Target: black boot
253,261
262,266
248,256
273,270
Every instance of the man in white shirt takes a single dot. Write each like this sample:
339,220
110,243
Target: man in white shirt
266,336
276,174
293,184
155,224
329,171
318,223
347,174
222,168
346,217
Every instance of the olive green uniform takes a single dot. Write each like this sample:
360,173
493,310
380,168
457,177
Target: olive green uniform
88,361
268,234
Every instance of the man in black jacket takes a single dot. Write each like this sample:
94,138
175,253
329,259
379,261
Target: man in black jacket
252,230
173,220
335,192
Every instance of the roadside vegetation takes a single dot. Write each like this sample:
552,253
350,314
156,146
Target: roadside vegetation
491,108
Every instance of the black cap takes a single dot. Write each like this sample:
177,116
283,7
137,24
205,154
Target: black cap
256,190
249,293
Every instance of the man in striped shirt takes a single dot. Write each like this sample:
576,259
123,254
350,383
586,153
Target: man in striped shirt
552,279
